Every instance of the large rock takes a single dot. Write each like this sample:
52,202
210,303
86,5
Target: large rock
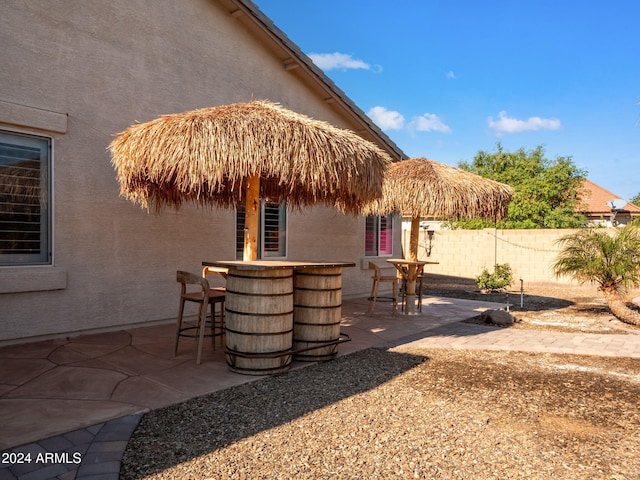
497,317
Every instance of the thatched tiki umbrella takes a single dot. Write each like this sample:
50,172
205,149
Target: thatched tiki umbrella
224,156
421,188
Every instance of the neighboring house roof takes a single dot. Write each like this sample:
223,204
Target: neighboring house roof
596,201
294,60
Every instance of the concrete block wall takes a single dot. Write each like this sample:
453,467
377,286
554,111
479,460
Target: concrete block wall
464,253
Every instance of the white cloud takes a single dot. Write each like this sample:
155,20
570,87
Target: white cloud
451,75
332,61
386,119
429,122
506,124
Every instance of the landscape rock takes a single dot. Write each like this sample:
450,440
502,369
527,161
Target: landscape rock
497,317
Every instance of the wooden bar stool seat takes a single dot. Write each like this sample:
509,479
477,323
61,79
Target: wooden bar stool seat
205,296
379,276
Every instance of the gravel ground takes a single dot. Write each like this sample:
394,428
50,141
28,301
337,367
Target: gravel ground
386,414
549,306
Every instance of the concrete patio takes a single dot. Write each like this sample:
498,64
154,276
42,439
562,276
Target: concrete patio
55,386
87,393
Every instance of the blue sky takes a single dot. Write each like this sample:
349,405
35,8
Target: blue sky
447,78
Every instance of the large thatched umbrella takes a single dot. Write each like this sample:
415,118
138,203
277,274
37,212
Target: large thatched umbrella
228,155
421,188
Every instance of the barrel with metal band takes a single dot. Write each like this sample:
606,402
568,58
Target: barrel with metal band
259,320
317,305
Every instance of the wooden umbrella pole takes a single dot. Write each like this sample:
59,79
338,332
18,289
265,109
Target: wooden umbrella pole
413,239
251,218
412,274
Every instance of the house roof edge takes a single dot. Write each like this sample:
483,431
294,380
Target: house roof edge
265,23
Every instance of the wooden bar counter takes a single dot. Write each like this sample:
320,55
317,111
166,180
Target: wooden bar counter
275,310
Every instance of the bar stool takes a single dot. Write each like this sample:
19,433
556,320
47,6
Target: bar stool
204,296
380,277
212,273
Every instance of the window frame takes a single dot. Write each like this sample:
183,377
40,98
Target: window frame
46,144
283,221
281,231
377,233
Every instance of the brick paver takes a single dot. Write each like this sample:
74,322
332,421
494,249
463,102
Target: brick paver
92,453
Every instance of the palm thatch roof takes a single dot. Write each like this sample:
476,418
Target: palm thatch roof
421,188
205,156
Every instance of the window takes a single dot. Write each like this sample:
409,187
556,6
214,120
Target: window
378,236
25,199
272,240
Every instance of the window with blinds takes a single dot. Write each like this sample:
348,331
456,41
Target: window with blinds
25,199
378,236
274,230
272,241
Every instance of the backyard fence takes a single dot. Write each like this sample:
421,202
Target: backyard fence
464,253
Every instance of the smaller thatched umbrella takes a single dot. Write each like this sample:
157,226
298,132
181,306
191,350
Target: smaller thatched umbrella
421,188
228,155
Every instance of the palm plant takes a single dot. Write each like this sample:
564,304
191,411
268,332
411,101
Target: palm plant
610,260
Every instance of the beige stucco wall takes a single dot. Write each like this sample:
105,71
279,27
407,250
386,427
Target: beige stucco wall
464,253
83,71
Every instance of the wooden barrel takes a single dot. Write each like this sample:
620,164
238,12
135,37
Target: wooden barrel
259,320
317,311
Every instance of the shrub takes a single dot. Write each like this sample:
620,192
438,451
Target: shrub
497,281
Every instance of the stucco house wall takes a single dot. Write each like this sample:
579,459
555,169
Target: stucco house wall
81,72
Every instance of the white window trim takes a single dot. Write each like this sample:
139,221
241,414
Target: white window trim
262,232
261,255
393,227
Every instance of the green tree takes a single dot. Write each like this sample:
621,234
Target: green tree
610,260
636,200
545,191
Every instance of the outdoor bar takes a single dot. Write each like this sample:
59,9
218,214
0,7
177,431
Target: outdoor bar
277,311
231,155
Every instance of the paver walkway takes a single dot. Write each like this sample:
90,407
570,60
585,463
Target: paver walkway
72,405
480,337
